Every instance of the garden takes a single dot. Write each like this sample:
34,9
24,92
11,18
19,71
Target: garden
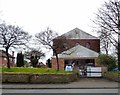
113,76
111,63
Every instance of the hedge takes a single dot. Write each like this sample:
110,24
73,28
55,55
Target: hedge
112,76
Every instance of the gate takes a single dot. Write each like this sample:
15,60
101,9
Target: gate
94,72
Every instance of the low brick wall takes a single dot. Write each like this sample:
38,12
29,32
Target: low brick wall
38,78
112,76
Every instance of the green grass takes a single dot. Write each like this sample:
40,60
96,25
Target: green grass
33,70
116,72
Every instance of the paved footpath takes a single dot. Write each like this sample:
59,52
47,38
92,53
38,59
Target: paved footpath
83,83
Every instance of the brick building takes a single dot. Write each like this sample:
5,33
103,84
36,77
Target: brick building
78,48
3,59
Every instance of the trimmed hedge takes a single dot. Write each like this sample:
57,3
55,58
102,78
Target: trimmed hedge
38,78
112,76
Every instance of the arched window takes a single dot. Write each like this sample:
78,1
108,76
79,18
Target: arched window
77,44
88,45
65,45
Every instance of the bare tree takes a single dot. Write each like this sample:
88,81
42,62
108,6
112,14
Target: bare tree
64,45
11,37
34,55
105,42
46,38
119,47
108,18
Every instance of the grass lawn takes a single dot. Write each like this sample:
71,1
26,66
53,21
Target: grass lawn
34,70
116,72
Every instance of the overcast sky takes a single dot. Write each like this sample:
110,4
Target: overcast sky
60,15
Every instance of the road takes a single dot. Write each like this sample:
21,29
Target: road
84,85
60,91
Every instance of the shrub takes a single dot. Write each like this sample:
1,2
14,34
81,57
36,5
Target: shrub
112,75
107,60
49,63
34,61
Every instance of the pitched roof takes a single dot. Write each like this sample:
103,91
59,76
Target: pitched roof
78,34
78,52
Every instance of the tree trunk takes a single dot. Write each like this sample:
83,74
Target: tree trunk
8,60
119,53
106,50
57,59
119,45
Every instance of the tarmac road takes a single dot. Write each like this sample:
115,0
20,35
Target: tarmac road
60,91
84,85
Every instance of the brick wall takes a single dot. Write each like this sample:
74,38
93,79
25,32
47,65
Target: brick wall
0,61
94,44
3,62
61,63
3,59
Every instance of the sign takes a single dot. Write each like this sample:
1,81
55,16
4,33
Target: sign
94,72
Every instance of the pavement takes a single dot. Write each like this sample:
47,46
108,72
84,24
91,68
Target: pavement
82,83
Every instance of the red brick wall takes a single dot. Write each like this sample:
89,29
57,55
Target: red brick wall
94,43
0,62
61,63
3,62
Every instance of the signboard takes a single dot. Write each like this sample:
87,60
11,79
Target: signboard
94,72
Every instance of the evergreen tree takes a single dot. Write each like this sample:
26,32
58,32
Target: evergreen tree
49,63
20,60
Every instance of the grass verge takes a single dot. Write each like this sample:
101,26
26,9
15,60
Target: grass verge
116,72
